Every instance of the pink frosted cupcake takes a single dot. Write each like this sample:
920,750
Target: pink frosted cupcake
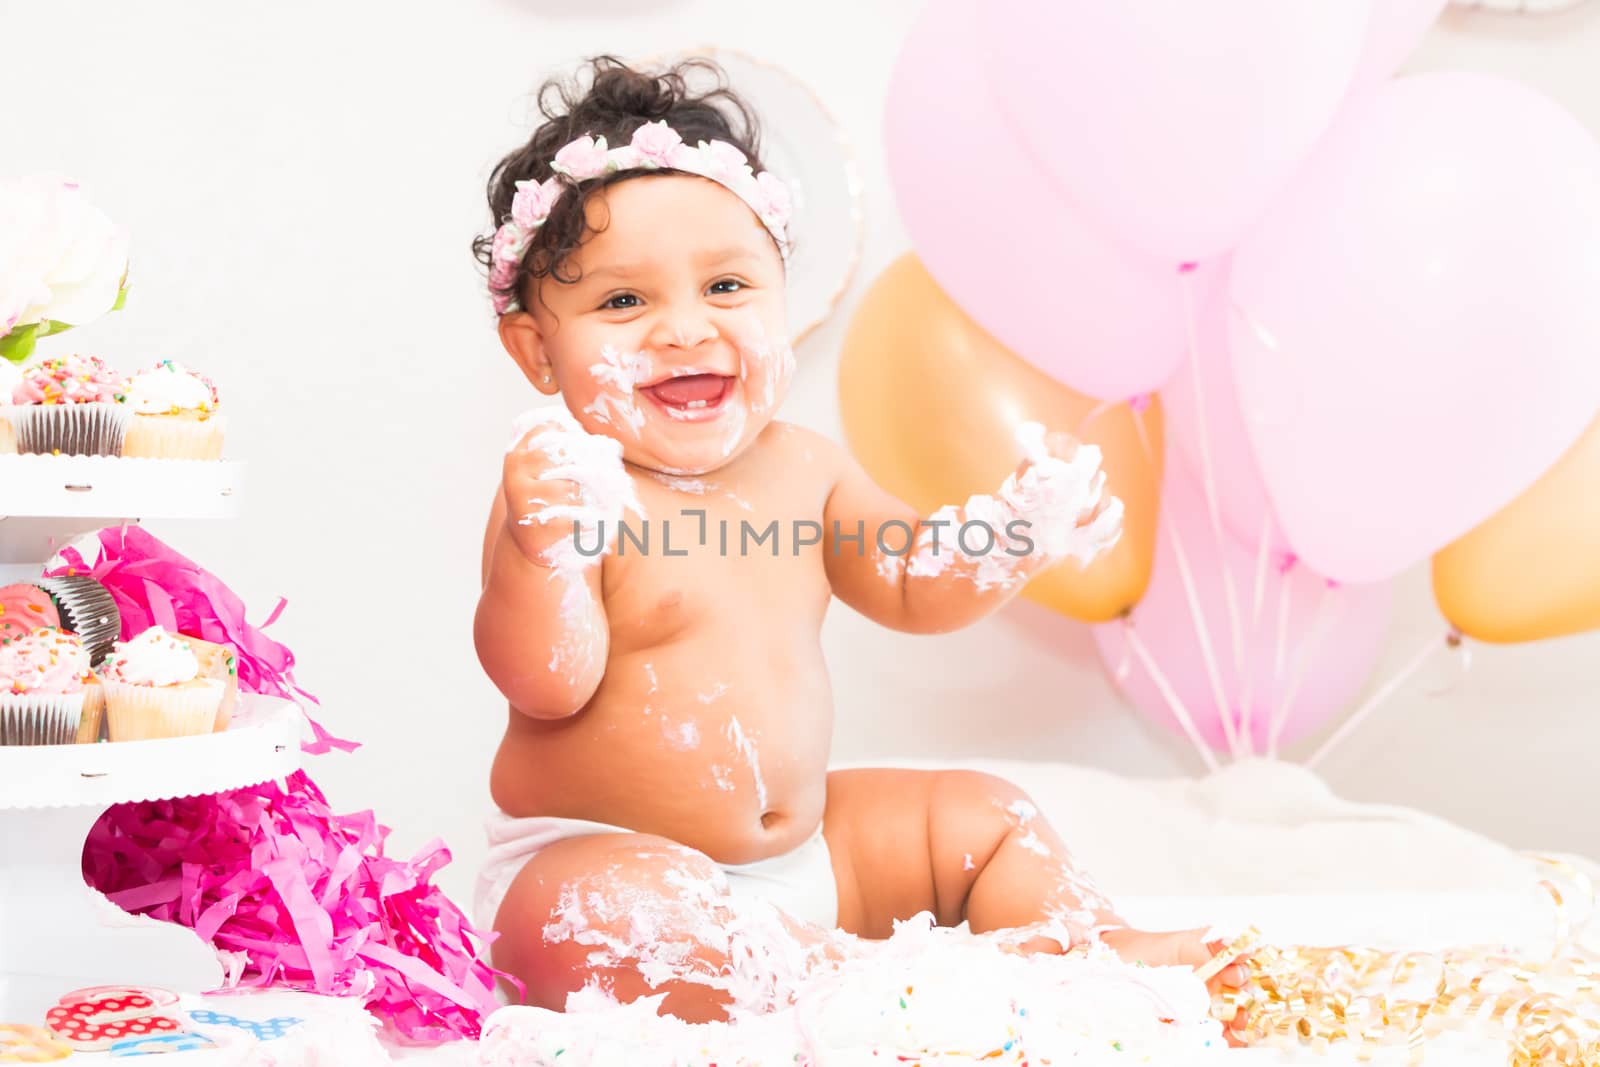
42,676
155,687
24,608
71,406
175,414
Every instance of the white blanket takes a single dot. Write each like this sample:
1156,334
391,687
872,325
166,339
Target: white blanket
1266,843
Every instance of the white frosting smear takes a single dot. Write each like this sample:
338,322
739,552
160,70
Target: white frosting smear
1052,497
619,374
926,995
606,494
593,462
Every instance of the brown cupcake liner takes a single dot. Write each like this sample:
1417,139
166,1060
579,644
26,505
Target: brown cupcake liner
88,610
71,429
40,719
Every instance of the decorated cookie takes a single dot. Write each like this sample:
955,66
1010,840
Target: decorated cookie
100,1021
162,1043
162,998
268,1030
30,1044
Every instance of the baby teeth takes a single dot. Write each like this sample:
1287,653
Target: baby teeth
695,404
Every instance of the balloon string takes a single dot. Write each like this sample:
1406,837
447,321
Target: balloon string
1385,691
1179,712
1320,625
1094,413
1284,591
1213,509
1247,704
1261,568
1219,692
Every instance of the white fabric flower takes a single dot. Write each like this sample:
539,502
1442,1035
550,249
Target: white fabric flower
61,259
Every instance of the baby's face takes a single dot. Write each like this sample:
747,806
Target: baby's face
672,340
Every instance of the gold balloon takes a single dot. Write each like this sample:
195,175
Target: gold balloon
930,403
1532,570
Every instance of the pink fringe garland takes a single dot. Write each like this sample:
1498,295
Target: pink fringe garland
304,897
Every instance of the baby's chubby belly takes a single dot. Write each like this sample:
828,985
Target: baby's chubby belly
718,740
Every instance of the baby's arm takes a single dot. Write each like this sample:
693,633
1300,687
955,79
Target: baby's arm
1051,507
541,629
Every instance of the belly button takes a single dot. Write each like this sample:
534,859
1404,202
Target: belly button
769,819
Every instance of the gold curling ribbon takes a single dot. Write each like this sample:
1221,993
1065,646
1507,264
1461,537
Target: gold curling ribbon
1547,1009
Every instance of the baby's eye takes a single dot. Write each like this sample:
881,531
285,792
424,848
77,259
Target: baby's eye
727,281
612,305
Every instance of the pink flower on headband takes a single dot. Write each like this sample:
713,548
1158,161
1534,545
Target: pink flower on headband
778,203
502,276
724,160
654,145
581,159
532,204
508,243
657,142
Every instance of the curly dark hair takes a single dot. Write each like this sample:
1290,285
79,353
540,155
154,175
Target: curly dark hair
618,100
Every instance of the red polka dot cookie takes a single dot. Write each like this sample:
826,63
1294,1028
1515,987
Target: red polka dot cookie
101,1020
163,998
30,1044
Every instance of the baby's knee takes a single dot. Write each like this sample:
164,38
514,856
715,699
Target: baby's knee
635,913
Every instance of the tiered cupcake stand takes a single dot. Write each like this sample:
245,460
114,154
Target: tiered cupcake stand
56,933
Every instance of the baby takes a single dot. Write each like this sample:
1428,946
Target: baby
657,564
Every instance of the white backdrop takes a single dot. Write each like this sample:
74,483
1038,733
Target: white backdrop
302,180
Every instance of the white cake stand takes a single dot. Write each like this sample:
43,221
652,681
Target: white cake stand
57,934
46,501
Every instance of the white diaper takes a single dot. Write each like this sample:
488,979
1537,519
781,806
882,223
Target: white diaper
799,882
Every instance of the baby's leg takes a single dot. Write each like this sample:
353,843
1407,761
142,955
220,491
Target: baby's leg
638,914
963,845
971,846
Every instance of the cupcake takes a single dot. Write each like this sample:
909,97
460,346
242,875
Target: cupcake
87,609
94,711
219,662
175,414
24,608
10,378
42,676
155,688
72,406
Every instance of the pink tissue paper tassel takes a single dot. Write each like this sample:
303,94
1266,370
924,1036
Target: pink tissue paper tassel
270,874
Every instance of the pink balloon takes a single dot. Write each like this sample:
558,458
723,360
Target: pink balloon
1172,122
1026,265
1332,636
1414,328
1201,397
1393,33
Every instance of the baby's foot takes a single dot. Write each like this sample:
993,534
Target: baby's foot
1180,948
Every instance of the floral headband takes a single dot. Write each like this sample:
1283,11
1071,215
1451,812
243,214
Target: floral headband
655,146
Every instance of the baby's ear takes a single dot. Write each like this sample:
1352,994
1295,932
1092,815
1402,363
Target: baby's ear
520,335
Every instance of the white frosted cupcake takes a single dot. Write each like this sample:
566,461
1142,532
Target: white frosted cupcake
175,414
155,688
42,675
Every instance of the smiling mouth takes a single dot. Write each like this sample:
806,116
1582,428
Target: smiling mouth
692,397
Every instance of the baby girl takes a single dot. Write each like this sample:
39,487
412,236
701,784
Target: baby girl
657,564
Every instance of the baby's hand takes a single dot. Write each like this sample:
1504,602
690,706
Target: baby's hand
558,477
1060,488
